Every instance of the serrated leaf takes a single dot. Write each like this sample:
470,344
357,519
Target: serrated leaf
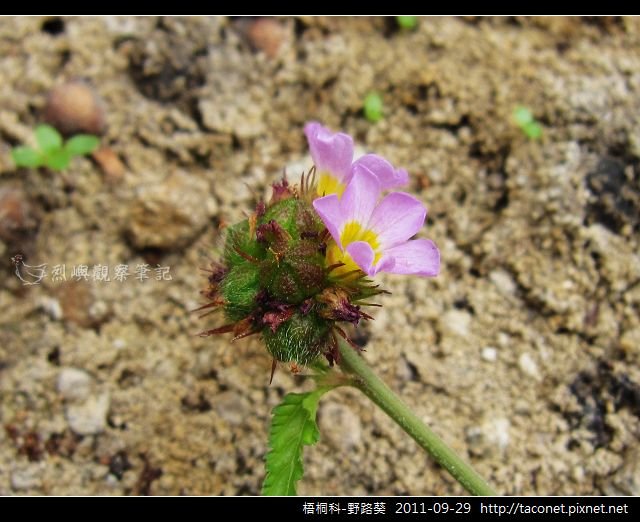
26,157
49,139
81,144
57,159
293,426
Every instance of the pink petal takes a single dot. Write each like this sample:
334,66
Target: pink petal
397,218
330,151
416,257
363,255
328,208
360,197
384,171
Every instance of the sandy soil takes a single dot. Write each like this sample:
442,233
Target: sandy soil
523,354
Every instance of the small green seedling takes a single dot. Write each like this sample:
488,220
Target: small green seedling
373,107
527,123
52,152
407,22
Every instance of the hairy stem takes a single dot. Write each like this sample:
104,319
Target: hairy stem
371,385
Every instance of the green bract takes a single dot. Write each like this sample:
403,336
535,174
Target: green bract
302,335
274,280
51,151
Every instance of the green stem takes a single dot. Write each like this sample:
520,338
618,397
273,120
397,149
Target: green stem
371,385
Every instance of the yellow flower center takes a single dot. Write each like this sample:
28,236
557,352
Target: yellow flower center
352,231
328,184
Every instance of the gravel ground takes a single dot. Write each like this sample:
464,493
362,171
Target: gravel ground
523,354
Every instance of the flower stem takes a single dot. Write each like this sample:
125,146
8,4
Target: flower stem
371,385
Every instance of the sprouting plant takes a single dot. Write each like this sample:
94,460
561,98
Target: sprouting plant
52,152
373,107
525,120
407,22
300,269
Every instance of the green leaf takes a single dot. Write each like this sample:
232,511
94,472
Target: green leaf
48,138
293,426
373,107
522,116
26,157
81,144
57,159
407,22
532,130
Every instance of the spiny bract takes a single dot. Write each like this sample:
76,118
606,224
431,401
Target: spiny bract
274,280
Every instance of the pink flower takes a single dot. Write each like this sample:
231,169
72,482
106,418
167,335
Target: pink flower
374,235
332,154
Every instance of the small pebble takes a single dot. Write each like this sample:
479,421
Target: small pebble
26,478
503,281
489,353
74,384
170,213
74,108
52,306
16,214
110,164
497,432
90,417
457,322
267,35
528,365
119,344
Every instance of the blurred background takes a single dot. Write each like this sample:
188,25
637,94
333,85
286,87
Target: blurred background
522,137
